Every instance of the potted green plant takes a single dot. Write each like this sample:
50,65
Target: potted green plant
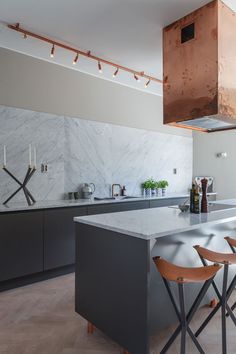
163,184
149,187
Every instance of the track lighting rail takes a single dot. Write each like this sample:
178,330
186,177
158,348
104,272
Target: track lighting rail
54,43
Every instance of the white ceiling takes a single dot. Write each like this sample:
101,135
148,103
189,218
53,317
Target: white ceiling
128,32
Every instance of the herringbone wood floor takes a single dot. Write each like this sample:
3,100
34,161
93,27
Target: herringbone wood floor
40,319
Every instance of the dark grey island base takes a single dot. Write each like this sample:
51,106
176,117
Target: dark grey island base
118,288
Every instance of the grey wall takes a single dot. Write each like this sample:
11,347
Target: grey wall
205,162
30,83
79,151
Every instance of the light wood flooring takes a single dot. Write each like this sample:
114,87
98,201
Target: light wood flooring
40,319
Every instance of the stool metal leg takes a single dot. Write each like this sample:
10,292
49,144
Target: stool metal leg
214,311
183,319
223,309
204,262
234,305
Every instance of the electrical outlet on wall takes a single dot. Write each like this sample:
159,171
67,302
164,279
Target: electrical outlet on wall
44,167
175,171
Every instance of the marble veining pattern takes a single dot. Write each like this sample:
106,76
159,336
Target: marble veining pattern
79,151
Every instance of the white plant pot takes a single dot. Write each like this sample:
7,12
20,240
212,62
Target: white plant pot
159,192
163,190
153,191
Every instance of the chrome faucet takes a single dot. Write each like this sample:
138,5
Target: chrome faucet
112,190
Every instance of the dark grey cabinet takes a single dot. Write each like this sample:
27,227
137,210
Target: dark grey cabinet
21,244
115,207
59,236
33,242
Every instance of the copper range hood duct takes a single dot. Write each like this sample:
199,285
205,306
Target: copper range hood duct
200,69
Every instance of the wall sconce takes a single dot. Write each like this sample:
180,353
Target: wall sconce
222,155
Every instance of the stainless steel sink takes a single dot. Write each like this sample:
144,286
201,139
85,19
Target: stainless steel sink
126,197
104,198
116,198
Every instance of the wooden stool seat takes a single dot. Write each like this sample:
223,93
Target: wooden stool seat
212,256
179,274
231,241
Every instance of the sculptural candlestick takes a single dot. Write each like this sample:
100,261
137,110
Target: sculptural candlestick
22,185
29,174
204,203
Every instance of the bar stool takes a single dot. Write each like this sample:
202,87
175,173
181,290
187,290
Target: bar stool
232,245
181,275
226,259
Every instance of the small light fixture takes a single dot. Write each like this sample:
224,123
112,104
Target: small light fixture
147,83
116,72
24,36
76,59
99,67
52,51
136,78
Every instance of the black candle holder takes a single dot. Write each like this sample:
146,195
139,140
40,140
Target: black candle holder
23,185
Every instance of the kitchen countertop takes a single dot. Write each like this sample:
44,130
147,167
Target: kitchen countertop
51,204
157,222
22,206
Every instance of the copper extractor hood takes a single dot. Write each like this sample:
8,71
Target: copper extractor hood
199,54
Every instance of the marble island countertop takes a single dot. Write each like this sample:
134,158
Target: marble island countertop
157,222
51,204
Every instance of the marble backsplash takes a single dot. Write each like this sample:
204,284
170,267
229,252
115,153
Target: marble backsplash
79,151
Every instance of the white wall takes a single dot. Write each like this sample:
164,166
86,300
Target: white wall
30,83
205,162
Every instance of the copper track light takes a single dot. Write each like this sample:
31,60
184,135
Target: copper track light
52,51
87,54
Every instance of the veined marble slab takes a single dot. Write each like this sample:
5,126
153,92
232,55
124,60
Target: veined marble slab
149,224
79,151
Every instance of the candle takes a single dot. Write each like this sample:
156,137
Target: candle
4,156
35,157
30,159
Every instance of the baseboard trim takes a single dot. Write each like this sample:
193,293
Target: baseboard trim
33,278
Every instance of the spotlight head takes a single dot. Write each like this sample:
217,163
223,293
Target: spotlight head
99,67
116,72
76,59
147,83
136,78
52,51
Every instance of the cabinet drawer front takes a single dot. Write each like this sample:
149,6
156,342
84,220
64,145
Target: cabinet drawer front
59,236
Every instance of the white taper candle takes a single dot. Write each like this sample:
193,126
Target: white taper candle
35,163
30,157
4,156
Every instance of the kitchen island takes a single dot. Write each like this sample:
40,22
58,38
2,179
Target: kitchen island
118,288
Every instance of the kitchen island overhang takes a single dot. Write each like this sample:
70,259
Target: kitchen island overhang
118,288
